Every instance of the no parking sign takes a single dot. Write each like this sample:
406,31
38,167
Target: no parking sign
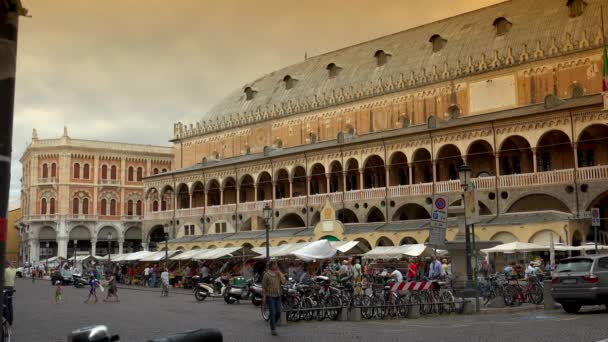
439,220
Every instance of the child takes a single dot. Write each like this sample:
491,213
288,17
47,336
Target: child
93,291
58,292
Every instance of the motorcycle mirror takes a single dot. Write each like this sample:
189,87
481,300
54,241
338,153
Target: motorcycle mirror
94,333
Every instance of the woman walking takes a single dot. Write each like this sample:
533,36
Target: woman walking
93,291
112,290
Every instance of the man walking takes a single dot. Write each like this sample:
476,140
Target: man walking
272,286
435,269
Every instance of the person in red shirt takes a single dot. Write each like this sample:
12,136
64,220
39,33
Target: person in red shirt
411,270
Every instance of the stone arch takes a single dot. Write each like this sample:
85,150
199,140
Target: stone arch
318,179
375,215
538,202
504,237
449,159
408,240
422,170
374,174
282,184
346,215
544,237
102,247
246,189
291,221
166,189
198,194
383,241
301,241
213,193
364,242
132,239
515,156
180,248
152,193
212,247
228,245
411,211
194,248
229,188
264,185
156,236
283,242
298,181
352,174
398,169
554,151
183,196
480,157
592,145
316,218
335,177
47,233
247,245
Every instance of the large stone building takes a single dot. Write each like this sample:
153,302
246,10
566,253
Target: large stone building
512,90
13,244
82,190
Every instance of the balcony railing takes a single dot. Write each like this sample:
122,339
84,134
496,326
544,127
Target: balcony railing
47,217
424,189
50,180
115,182
82,217
132,218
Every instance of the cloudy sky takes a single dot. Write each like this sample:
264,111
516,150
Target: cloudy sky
127,70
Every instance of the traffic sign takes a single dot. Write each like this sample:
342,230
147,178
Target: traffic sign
439,220
595,217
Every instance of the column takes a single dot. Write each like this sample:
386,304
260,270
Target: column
121,243
62,246
434,166
222,197
238,196
410,167
535,164
291,188
34,249
274,191
344,180
93,246
205,199
497,164
190,201
387,175
575,151
361,173
144,246
327,182
255,192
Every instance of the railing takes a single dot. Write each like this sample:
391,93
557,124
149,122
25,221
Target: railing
47,217
447,186
159,215
484,183
593,173
556,177
110,182
82,217
50,180
299,201
132,218
336,197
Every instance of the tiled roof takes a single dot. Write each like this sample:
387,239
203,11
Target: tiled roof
470,38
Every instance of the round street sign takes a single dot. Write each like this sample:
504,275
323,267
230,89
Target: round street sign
440,203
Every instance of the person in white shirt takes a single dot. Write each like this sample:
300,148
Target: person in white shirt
146,276
164,278
395,274
205,274
530,270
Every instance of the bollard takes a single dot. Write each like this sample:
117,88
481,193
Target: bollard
468,307
355,315
497,303
549,302
413,312
283,320
343,315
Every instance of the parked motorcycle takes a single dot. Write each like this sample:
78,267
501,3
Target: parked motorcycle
256,294
239,289
203,290
79,280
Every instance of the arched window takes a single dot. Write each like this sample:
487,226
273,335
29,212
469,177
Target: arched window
75,205
43,206
85,206
138,208
113,172
502,26
104,172
45,171
381,57
163,205
164,170
112,207
52,209
576,7
53,170
85,171
155,206
249,93
333,70
130,207
289,82
140,174
76,171
104,206
155,171
130,174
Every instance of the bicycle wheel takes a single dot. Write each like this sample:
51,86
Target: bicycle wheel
306,313
535,295
333,304
403,306
320,314
379,307
6,331
292,305
510,295
448,301
367,310
426,302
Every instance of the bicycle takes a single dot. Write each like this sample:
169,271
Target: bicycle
516,295
6,324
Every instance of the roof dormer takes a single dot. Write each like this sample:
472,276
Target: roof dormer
333,70
576,7
249,93
438,42
502,26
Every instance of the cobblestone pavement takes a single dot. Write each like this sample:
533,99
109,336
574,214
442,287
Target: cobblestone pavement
142,315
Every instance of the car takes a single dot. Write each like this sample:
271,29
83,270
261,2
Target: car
20,272
579,281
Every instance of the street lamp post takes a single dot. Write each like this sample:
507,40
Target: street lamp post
75,242
166,229
465,177
267,218
109,247
48,244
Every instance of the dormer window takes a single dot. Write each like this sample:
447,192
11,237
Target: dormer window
438,42
289,81
576,7
333,70
249,93
502,25
381,57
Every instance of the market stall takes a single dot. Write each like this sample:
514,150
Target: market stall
398,252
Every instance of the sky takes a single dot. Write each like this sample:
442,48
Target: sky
127,70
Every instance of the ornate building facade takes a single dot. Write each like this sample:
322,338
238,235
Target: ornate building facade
75,193
512,90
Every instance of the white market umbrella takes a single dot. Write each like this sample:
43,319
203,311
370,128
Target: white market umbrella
317,250
515,247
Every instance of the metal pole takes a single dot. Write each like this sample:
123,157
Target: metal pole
167,252
109,251
9,28
467,240
267,243
595,238
475,269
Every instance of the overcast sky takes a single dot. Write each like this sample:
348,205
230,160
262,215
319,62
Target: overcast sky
127,70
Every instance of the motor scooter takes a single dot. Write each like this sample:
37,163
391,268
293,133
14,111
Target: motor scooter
203,290
239,289
79,281
256,294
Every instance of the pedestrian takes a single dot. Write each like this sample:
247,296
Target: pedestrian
272,285
395,274
153,275
445,267
435,269
112,289
164,278
10,272
58,292
146,276
93,290
411,270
